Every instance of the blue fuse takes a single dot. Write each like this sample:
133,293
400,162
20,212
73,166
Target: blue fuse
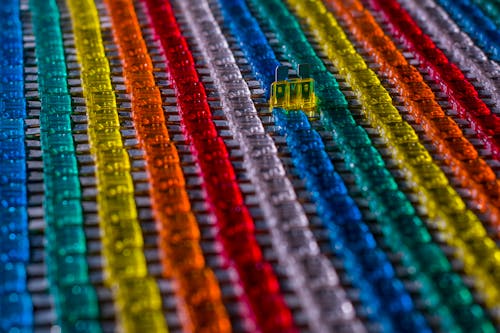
16,312
12,148
14,108
13,171
377,265
14,219
340,210
359,237
328,183
10,128
304,140
12,277
14,246
297,120
13,195
313,162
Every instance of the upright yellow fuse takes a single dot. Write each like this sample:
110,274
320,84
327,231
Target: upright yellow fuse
293,94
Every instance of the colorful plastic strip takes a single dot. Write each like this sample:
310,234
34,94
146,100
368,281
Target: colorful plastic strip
179,240
297,249
136,295
476,24
461,95
457,226
459,48
16,309
75,298
335,206
470,171
232,216
376,179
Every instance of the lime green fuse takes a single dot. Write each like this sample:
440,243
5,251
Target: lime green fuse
293,94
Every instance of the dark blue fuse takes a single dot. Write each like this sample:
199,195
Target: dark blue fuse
12,277
16,312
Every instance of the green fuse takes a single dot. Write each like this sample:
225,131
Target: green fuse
474,319
336,117
53,84
59,143
56,103
63,212
453,286
77,302
413,229
66,240
325,78
381,204
54,68
354,136
81,326
330,95
436,260
63,187
364,158
67,270
55,123
60,164
375,179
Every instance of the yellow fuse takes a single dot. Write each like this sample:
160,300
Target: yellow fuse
104,139
293,94
123,235
145,321
115,183
280,90
102,99
130,263
113,160
114,209
135,296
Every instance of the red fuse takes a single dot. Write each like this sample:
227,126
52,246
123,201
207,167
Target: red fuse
211,146
242,248
216,167
281,319
204,128
235,219
224,194
260,276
